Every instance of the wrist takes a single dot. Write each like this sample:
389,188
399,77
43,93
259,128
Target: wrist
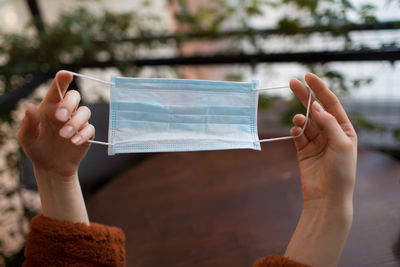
61,196
62,176
52,177
321,233
339,211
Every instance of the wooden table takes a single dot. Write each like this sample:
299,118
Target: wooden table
228,208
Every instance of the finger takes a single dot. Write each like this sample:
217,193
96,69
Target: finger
64,79
327,98
78,120
68,105
311,131
301,92
329,126
84,135
301,141
29,129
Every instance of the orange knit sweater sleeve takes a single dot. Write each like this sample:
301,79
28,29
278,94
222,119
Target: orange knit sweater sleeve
276,261
55,243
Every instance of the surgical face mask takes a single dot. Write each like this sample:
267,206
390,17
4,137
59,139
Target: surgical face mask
165,115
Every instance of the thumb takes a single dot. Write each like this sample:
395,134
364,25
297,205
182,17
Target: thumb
29,129
328,124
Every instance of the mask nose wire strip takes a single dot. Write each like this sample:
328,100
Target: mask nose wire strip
87,77
305,123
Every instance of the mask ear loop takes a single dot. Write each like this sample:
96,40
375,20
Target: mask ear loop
90,78
305,123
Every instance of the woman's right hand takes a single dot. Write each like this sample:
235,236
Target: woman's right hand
327,155
327,151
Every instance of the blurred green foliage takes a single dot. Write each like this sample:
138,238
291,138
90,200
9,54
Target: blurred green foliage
80,36
328,13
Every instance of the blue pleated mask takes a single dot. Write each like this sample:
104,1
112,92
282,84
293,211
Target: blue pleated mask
166,115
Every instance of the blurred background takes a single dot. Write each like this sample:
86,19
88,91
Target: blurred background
353,44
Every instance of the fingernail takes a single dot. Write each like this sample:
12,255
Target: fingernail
67,131
76,139
62,114
317,107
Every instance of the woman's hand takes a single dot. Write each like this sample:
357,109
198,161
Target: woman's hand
327,155
327,151
55,134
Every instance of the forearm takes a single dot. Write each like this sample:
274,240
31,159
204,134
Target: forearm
61,197
320,235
